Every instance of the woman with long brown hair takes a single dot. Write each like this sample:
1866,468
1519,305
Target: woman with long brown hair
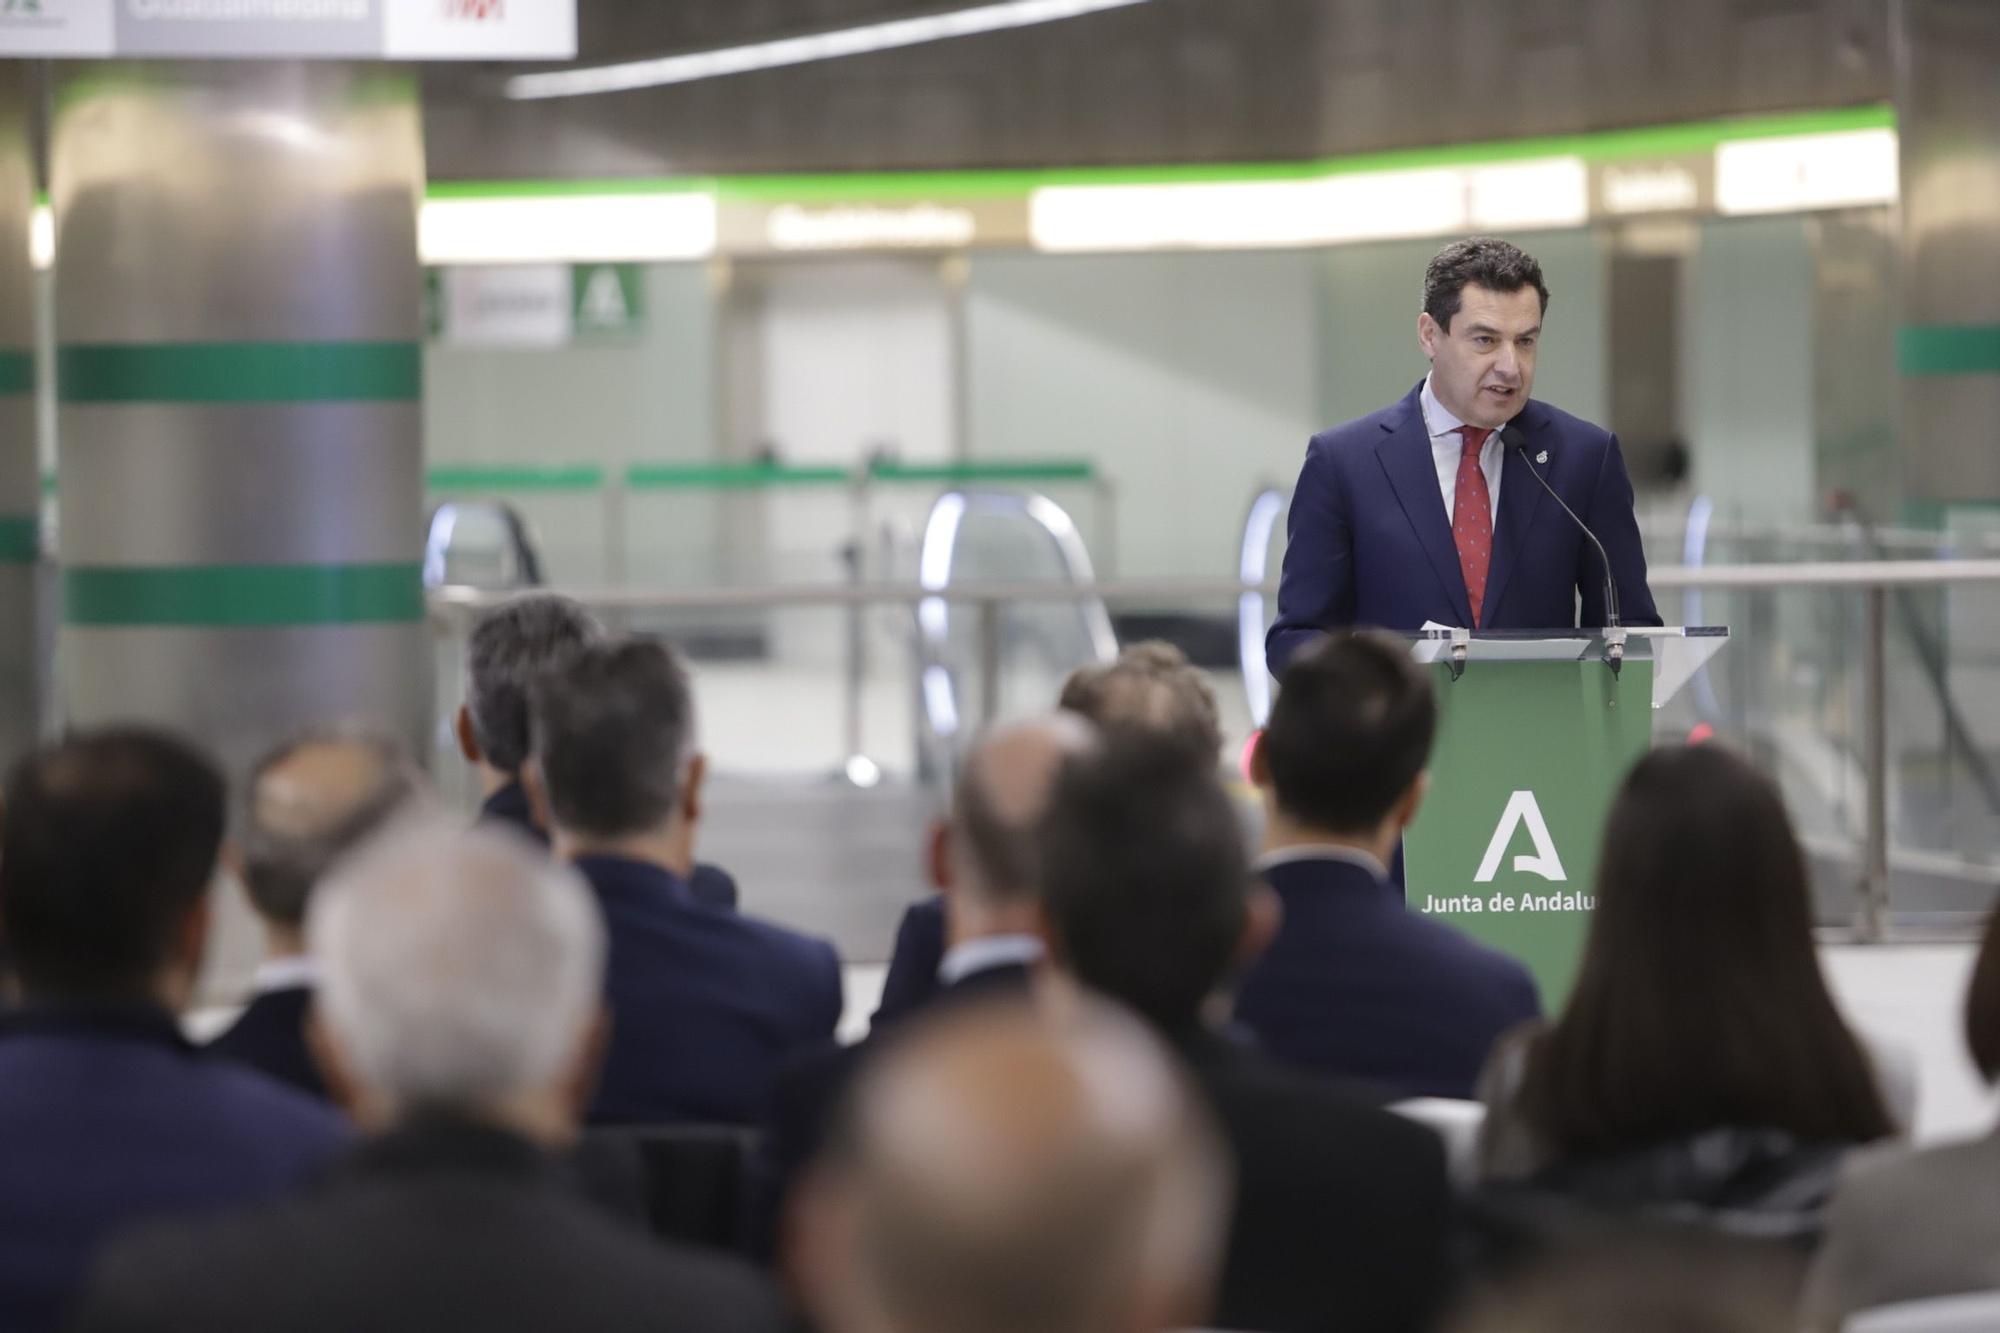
1700,1070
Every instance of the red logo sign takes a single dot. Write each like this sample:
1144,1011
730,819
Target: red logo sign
476,11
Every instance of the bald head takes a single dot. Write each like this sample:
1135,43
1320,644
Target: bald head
1002,791
311,801
1003,1171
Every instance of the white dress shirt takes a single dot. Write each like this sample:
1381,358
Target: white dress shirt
988,951
1320,851
289,973
1447,446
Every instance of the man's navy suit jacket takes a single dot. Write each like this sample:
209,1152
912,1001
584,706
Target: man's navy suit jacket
107,1118
270,1035
1359,986
705,1003
1369,544
912,979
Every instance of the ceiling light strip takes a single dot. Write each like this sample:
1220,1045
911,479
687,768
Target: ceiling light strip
865,39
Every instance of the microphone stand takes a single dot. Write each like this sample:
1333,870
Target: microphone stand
1614,624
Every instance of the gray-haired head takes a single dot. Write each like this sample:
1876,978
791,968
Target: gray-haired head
313,800
457,969
613,734
1004,1170
510,647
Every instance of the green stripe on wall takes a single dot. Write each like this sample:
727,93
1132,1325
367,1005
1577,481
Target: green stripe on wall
997,470
1948,349
20,539
729,476
243,596
583,477
17,373
246,372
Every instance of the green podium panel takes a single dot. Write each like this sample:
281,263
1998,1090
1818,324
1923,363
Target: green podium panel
1528,757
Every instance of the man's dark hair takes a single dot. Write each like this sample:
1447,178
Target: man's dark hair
1700,876
613,726
1484,261
1349,733
510,646
109,840
281,863
1150,686
1144,875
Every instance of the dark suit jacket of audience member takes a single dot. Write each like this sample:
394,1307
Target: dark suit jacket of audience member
1359,986
812,1086
705,1004
1342,1208
509,806
270,1035
913,963
437,1226
109,1117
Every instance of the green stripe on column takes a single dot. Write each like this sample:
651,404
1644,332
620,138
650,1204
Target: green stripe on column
17,373
1948,349
20,539
243,596
248,372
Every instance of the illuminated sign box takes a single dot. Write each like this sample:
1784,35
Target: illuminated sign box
291,29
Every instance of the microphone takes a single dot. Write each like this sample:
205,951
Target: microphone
1614,645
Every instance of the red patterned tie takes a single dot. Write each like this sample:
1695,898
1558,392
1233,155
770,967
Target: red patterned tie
1472,520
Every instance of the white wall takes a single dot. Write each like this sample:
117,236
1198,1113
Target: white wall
1188,379
648,399
1747,366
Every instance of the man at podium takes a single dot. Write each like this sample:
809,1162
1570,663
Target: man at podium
1439,507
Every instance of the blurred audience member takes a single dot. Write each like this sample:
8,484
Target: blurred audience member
1001,1172
312,801
459,1017
705,1003
1636,1279
510,647
1356,984
1150,687
107,1115
1341,1207
1700,1071
982,859
1908,1224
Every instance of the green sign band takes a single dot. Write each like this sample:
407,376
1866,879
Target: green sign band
1948,349
20,539
243,596
834,187
744,476
240,372
17,373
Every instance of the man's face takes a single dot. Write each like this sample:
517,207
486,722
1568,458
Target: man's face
1483,368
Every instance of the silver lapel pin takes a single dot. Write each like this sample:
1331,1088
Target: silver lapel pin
1542,457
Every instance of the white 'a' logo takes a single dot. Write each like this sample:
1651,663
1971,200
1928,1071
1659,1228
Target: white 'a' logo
1522,808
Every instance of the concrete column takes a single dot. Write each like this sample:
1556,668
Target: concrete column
238,309
1948,342
20,471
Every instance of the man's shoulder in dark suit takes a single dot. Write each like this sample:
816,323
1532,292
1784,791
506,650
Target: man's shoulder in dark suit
496,1242
269,1035
1358,986
705,1002
912,978
1340,1205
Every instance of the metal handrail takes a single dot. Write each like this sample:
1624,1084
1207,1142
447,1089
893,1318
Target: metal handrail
1828,574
